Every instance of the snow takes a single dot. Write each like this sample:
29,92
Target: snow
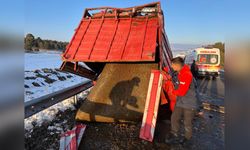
42,77
44,59
39,60
44,88
49,114
42,65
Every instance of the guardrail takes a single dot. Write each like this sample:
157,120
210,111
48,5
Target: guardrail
36,105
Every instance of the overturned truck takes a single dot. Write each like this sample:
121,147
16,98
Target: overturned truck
117,48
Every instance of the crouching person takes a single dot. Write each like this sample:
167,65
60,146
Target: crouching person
186,103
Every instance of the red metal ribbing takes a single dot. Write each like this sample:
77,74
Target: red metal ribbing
117,22
96,38
82,38
144,36
73,38
160,42
166,53
127,37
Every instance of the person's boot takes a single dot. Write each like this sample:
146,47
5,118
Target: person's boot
183,140
186,143
172,139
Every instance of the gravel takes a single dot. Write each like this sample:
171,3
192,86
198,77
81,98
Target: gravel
208,134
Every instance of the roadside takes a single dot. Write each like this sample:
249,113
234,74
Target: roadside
208,132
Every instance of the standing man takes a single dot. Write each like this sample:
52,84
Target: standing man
194,69
186,103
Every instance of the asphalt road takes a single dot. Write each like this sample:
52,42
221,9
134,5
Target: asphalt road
213,90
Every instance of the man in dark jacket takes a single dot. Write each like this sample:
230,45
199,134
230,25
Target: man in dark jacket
186,103
194,69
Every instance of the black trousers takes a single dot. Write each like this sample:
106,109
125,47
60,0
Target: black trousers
188,115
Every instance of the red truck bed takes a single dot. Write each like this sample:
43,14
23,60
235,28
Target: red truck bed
119,35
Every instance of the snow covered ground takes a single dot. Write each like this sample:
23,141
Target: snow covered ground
42,76
44,59
49,114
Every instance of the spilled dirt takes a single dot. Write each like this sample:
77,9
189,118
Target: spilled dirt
208,134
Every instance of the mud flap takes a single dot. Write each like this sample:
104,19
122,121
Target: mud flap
151,106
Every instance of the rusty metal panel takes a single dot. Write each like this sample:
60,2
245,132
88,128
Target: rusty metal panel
119,94
113,40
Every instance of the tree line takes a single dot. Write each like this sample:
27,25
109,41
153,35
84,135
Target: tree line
35,44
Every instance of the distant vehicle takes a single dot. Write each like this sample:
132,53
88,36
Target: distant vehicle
207,61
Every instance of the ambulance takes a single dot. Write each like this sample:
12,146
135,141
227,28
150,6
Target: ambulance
207,61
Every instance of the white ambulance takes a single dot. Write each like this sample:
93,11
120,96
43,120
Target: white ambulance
207,60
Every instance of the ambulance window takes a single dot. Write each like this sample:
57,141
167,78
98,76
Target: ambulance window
208,59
